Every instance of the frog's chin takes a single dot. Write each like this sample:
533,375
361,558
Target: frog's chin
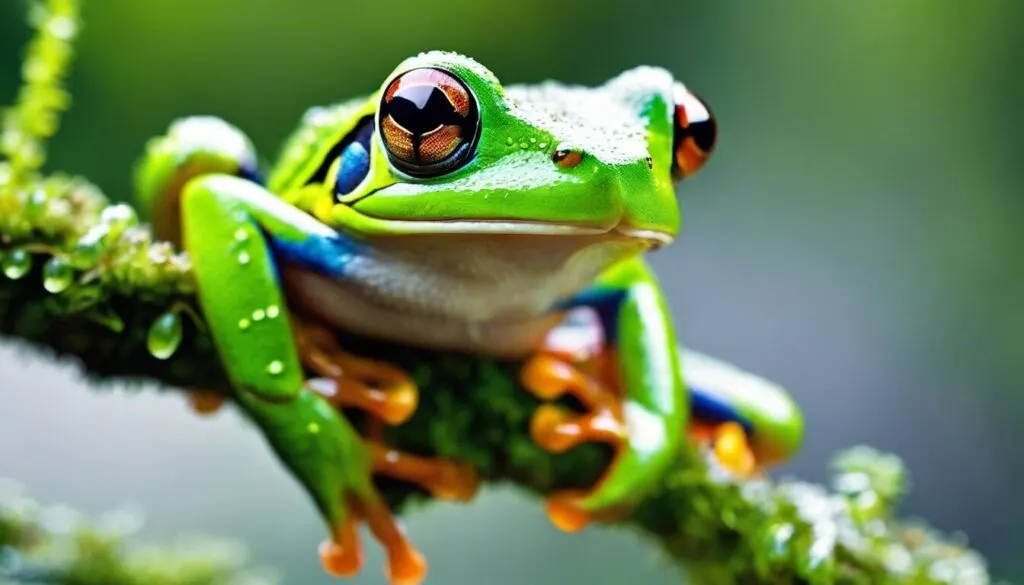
371,226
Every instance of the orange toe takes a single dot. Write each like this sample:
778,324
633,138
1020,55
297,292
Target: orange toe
405,565
342,556
733,450
444,479
565,512
557,431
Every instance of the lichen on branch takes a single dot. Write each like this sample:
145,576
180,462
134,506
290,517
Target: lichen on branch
81,279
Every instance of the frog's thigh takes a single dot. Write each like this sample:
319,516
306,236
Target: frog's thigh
728,404
238,286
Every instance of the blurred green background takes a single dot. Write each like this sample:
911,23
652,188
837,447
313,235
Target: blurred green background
857,238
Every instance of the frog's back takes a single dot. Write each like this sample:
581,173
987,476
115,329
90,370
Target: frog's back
311,140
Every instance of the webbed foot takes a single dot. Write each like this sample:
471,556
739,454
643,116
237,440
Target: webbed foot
342,556
548,376
378,388
390,395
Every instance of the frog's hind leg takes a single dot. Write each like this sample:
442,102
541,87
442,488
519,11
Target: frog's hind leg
746,422
388,394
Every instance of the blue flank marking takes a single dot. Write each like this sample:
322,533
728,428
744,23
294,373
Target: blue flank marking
325,255
606,301
706,406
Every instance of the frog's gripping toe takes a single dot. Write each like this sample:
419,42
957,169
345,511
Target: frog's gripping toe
342,556
380,389
729,445
557,431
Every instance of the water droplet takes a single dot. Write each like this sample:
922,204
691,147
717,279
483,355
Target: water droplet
16,264
273,311
164,336
243,258
542,145
313,428
524,145
57,275
243,323
258,315
241,235
509,141
275,367
533,140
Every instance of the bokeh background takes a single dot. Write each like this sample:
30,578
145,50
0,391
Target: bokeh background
857,238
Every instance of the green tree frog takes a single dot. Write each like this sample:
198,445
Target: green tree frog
446,211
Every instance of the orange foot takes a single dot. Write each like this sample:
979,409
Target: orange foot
342,556
380,389
729,445
548,377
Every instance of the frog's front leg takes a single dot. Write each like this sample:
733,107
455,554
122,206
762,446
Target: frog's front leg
632,391
226,222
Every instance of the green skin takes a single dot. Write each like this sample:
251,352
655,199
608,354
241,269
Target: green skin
622,191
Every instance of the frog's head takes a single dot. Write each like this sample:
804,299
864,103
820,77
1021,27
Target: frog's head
442,147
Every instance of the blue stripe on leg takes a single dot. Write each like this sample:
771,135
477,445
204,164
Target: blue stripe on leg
706,406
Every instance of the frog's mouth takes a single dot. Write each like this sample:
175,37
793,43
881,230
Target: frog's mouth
369,225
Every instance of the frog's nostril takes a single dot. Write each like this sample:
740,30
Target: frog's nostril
567,158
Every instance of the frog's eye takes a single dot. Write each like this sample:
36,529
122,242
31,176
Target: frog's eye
694,135
429,122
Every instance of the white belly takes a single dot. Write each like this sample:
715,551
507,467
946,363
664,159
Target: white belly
489,295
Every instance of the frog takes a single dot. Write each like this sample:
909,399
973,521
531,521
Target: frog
449,212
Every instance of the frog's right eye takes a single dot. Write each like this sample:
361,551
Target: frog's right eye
694,134
429,122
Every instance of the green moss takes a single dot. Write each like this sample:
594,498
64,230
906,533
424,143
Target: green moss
122,281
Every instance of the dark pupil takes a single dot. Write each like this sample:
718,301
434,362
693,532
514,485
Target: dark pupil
703,133
422,108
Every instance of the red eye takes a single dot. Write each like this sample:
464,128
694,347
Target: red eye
428,122
694,136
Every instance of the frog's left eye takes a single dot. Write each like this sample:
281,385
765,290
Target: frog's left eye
694,135
429,122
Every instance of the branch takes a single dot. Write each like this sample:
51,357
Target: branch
82,280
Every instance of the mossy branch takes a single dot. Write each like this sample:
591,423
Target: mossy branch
81,280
